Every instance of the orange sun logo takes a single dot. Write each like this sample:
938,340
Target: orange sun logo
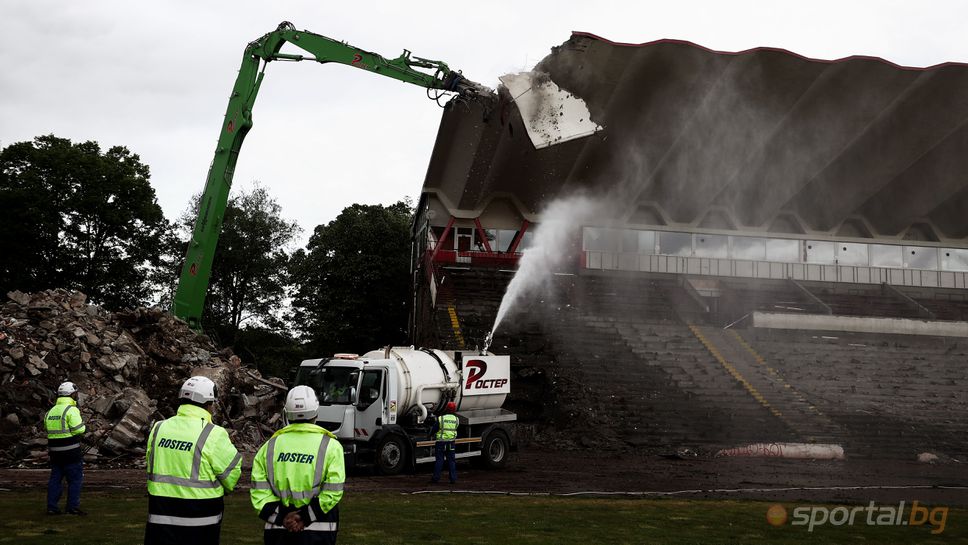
776,515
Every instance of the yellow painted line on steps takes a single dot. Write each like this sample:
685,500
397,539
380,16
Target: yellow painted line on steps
737,375
454,323
762,361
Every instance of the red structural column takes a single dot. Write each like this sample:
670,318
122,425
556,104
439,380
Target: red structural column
482,235
517,239
443,237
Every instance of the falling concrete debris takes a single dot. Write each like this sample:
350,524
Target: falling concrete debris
127,366
927,458
552,115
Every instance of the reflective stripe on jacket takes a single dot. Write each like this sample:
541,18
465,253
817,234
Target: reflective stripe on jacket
177,521
448,427
299,462
188,457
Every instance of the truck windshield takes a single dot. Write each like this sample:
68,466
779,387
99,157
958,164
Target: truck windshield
333,385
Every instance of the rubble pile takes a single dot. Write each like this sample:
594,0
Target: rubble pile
127,366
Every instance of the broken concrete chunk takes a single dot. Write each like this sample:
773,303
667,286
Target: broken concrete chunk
103,405
77,299
37,362
105,354
110,362
131,430
11,423
221,376
927,458
251,405
197,356
116,362
19,297
551,114
124,343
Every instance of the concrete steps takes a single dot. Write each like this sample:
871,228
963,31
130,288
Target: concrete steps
772,389
620,362
893,397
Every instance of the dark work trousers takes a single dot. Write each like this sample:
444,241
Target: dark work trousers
74,472
178,521
440,449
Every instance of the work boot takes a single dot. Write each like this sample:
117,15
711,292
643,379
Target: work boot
77,511
54,512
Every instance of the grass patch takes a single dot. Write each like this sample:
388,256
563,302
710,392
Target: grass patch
117,517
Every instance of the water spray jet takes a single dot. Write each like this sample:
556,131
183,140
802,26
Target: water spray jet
547,253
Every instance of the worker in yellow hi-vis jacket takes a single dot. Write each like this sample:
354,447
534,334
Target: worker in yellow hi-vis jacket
444,432
64,431
297,477
191,464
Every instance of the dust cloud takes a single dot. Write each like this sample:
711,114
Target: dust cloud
711,133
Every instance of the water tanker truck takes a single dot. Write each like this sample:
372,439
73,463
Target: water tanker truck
379,404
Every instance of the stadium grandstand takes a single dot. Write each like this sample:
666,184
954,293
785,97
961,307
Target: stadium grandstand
783,255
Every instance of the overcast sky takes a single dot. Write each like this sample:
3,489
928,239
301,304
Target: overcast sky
155,76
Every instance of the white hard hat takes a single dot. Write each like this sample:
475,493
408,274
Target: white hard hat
301,404
66,389
198,389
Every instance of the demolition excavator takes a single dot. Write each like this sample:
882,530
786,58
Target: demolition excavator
435,76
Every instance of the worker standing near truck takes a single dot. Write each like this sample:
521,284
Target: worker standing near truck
191,464
298,476
64,430
444,431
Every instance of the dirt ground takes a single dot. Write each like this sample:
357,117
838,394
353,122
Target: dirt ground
536,471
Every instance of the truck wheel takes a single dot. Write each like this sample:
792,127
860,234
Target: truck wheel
391,455
495,449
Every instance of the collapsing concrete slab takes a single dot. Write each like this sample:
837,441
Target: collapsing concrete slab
551,115
755,136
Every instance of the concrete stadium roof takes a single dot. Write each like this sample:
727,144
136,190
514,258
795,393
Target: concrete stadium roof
759,140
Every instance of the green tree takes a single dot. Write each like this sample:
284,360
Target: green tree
76,217
249,270
275,352
352,282
165,276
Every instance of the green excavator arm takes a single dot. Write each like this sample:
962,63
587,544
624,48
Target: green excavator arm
193,284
